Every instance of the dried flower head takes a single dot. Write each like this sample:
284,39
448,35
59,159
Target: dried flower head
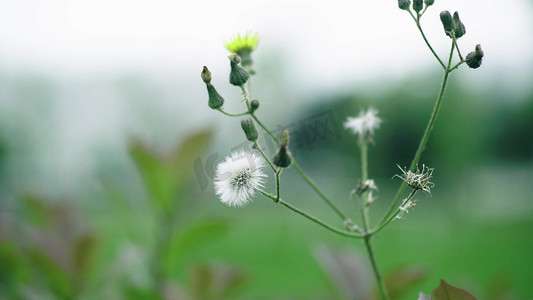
418,180
365,124
404,209
238,177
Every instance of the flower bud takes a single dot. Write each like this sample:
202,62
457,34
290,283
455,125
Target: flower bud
418,5
282,158
238,76
474,58
447,22
249,130
254,105
404,4
215,100
429,2
459,27
206,75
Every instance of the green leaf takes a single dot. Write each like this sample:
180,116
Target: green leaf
400,281
83,251
192,238
446,291
157,176
165,176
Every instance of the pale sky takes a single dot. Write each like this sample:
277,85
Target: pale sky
326,45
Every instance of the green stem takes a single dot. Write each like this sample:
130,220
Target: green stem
417,21
233,115
278,173
311,217
425,137
457,48
391,218
258,148
302,174
379,280
363,144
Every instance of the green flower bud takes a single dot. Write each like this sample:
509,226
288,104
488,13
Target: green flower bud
215,100
282,158
429,2
459,27
418,5
206,75
254,105
238,76
474,58
404,4
249,130
447,22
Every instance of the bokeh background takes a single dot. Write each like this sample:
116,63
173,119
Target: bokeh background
108,149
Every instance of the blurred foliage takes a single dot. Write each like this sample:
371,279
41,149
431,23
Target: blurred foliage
146,229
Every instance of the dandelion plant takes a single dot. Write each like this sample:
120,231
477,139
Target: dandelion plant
242,174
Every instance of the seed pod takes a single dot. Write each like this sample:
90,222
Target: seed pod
404,4
215,100
474,58
254,105
206,75
238,76
459,27
282,158
248,127
447,22
418,5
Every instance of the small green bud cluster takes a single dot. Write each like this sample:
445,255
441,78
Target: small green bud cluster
248,127
418,5
282,158
474,58
254,105
215,100
238,76
453,27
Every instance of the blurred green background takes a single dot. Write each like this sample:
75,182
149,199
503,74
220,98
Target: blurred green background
106,174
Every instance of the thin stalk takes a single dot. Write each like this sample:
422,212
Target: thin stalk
258,148
302,174
278,173
363,144
425,137
457,48
417,21
391,218
379,280
233,115
311,217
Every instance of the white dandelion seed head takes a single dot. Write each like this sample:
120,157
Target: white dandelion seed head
238,177
365,124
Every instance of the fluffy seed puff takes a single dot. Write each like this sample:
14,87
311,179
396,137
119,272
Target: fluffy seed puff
238,176
365,124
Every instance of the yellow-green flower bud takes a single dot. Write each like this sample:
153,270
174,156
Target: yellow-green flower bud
447,22
282,158
429,2
238,76
206,75
249,130
404,4
215,100
418,5
254,105
474,58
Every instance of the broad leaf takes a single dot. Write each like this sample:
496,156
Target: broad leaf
446,291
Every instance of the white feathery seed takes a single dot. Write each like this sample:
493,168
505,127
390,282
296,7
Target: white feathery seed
238,177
